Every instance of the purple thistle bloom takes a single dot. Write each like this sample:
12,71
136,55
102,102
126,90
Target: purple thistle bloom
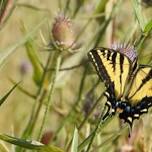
127,50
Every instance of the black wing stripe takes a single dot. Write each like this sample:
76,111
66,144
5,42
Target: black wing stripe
121,70
93,55
114,55
121,63
146,79
108,55
135,66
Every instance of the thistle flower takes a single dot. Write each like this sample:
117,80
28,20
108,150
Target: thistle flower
127,50
62,32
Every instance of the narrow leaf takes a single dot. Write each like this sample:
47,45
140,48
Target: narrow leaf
23,90
74,147
7,94
30,144
138,13
148,27
33,57
5,53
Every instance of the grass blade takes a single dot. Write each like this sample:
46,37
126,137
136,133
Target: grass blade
33,57
5,53
74,147
2,100
29,144
138,13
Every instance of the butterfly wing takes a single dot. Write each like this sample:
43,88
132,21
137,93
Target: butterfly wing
141,87
112,67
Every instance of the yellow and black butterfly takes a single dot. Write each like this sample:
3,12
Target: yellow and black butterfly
128,84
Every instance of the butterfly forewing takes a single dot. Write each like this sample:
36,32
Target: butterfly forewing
141,86
112,67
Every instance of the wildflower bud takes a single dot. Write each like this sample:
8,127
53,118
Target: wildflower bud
62,32
46,138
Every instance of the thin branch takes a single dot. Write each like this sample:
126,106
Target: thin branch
23,90
70,68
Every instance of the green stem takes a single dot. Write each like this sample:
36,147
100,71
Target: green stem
73,109
91,111
23,90
49,99
113,137
39,100
67,6
85,119
41,93
94,133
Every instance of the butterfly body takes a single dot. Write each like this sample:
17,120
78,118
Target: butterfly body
128,85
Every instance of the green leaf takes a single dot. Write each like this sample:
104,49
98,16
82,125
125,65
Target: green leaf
148,27
144,35
30,144
7,94
100,6
138,14
33,57
74,147
5,53
23,90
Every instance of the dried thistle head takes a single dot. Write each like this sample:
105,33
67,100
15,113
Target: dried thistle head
62,32
127,50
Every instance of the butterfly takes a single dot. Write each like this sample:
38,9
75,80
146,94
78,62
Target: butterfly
128,84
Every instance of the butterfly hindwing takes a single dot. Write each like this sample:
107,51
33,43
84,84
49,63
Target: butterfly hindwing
141,86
